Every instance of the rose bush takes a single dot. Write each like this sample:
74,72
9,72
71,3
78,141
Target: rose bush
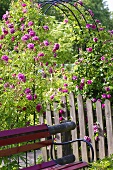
43,58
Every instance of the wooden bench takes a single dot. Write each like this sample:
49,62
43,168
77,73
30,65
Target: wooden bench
16,141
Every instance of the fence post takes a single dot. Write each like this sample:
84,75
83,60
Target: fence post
90,125
109,127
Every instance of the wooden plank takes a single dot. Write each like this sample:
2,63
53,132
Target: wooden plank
18,131
64,107
44,149
74,132
49,122
58,135
41,166
66,136
109,127
101,130
23,138
24,148
71,166
82,128
90,125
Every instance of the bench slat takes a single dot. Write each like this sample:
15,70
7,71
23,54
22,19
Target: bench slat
41,166
24,148
71,166
23,138
18,131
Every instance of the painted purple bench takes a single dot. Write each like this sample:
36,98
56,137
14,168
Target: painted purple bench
20,141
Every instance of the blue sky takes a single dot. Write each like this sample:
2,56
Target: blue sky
110,4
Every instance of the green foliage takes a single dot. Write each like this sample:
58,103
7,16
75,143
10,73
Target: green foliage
104,164
47,72
40,159
100,11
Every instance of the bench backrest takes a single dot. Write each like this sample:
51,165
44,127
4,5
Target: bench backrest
27,138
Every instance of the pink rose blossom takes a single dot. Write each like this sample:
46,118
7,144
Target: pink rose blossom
108,96
89,49
30,23
21,77
87,138
89,81
38,107
29,97
5,58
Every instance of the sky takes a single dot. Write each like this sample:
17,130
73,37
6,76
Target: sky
110,4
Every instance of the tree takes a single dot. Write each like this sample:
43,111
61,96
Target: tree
101,11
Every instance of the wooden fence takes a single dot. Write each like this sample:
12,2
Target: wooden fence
84,117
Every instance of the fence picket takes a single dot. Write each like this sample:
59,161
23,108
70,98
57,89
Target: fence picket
58,136
82,128
49,122
74,132
90,125
102,148
65,136
101,130
109,127
44,149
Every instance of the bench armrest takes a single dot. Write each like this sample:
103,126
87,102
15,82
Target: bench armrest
77,140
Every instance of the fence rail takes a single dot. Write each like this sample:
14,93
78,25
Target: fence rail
85,118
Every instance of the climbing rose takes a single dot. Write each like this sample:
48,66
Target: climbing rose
93,100
102,58
29,97
96,138
95,128
88,26
21,77
104,96
91,12
65,90
60,118
10,25
89,49
21,19
12,30
30,23
103,106
65,85
61,111
38,107
25,37
101,29
93,27
5,58
46,43
95,39
87,138
5,17
30,46
32,33
74,78
66,21
89,81
24,5
108,96
45,27
107,88
41,54
6,85
27,91
35,38
80,2
52,97
56,47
